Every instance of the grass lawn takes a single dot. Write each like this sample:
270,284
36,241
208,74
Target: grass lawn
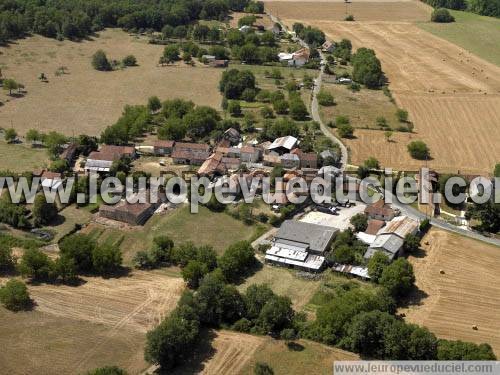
362,107
21,157
478,34
205,228
331,284
308,357
284,282
67,219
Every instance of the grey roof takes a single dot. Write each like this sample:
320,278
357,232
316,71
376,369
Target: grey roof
98,165
290,157
316,237
390,244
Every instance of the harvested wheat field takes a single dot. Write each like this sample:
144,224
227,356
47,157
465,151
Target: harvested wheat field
101,320
312,12
231,353
453,97
38,343
85,100
465,294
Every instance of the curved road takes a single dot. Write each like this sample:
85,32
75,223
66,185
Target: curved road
404,208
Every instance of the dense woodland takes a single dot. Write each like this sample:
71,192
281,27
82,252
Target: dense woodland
483,7
77,19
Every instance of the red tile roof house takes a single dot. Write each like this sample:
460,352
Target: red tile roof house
213,165
101,161
190,153
163,147
380,211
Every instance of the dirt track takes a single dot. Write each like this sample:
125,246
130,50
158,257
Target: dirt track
466,294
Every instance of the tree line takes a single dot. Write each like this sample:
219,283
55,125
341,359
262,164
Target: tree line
77,19
483,7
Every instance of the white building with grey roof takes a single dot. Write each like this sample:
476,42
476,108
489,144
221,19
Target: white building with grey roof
301,245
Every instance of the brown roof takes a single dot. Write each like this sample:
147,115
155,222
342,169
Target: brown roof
190,154
249,149
310,156
379,208
212,164
191,146
51,175
164,143
374,226
224,143
111,153
69,151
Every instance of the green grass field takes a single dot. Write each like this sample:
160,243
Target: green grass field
478,34
205,228
21,158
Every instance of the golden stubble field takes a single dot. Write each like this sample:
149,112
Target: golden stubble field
73,329
452,96
466,294
86,100
235,353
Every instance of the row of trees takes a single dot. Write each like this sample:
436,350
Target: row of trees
77,19
79,255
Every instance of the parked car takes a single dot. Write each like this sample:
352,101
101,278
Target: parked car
327,210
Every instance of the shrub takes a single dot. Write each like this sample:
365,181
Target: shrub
129,60
248,95
36,265
345,130
234,108
100,61
267,112
14,295
341,120
359,222
262,368
106,259
298,110
402,115
325,98
372,163
281,107
418,150
350,17
442,15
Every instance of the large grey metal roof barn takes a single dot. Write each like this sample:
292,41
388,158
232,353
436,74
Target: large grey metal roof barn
315,237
